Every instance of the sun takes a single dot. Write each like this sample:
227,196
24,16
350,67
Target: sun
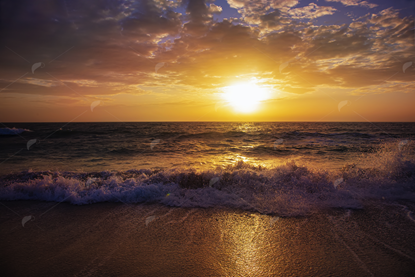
245,97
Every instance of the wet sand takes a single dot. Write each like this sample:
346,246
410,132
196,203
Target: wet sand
111,239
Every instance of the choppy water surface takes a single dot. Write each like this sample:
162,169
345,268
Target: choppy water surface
288,168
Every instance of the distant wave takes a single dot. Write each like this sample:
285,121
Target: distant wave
290,189
207,135
291,134
12,131
340,135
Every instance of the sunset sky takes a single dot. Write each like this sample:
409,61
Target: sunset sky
196,60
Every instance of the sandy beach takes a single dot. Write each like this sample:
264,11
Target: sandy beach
112,239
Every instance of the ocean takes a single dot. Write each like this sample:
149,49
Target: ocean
285,168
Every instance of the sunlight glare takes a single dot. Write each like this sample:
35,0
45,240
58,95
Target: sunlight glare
245,97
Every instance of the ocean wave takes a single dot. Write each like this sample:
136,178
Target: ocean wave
290,189
213,135
12,131
339,134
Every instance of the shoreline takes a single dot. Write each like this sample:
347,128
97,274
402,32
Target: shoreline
113,239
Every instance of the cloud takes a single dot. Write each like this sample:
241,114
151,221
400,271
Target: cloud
100,49
215,9
297,90
354,3
311,11
252,10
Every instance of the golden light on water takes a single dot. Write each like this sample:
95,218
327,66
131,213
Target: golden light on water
245,97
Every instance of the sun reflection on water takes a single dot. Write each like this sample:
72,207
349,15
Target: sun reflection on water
243,243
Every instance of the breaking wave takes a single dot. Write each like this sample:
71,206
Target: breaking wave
289,189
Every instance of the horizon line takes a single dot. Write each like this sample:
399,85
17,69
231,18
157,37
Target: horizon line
185,121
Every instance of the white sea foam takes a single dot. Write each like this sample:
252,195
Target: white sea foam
288,189
12,131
